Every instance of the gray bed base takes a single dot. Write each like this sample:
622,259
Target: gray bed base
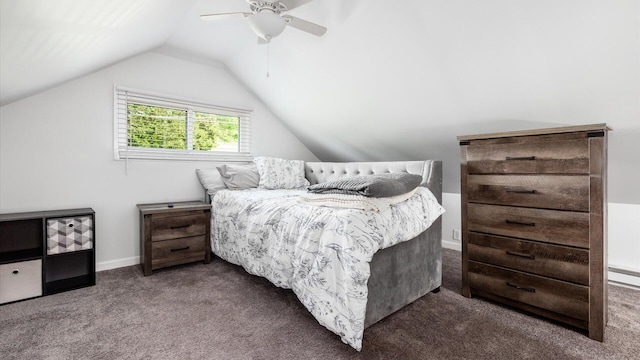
402,273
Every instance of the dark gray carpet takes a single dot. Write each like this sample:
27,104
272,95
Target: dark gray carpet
218,311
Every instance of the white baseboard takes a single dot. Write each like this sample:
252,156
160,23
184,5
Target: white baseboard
114,264
453,245
625,276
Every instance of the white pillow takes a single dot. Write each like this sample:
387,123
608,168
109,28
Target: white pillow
210,180
280,173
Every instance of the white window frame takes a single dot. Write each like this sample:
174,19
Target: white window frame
121,146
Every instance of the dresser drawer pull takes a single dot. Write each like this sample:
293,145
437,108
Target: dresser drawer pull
521,158
526,256
520,223
521,287
180,249
521,191
179,227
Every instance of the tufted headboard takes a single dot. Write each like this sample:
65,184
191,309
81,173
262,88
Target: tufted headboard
431,171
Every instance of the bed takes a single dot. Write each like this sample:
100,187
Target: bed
388,274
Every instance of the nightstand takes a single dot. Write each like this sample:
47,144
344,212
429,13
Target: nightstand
174,233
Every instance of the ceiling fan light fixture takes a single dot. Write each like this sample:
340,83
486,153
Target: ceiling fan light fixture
267,24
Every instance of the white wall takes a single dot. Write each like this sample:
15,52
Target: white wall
623,236
401,82
56,148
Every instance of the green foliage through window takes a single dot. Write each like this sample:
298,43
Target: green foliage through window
211,131
158,127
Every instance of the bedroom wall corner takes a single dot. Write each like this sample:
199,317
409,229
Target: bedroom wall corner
451,220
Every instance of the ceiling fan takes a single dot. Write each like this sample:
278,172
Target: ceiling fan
268,19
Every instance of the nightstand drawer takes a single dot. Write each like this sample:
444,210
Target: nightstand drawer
545,157
178,251
539,191
558,262
563,298
175,227
552,226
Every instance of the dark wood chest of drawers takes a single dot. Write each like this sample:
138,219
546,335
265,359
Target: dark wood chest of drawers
534,214
174,235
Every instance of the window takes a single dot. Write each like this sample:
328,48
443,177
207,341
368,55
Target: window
154,126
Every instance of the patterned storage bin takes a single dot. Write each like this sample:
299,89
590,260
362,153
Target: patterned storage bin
69,234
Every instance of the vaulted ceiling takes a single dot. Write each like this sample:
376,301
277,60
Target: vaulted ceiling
389,80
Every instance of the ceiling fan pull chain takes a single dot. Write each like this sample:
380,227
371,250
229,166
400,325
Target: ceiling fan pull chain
268,43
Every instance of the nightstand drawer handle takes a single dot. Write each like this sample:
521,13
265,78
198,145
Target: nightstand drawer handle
179,227
526,256
521,287
520,223
180,249
521,158
520,191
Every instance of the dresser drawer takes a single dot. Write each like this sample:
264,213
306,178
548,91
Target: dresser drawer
560,297
540,191
69,234
175,227
545,157
178,251
552,226
559,262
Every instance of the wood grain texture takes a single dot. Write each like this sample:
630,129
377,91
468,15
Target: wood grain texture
177,251
551,226
580,324
538,132
562,297
163,209
553,261
534,215
598,242
548,157
145,244
464,198
538,191
178,225
170,236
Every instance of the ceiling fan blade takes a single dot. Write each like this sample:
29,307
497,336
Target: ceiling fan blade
211,17
305,25
292,4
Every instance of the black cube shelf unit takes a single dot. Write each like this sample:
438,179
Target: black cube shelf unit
46,252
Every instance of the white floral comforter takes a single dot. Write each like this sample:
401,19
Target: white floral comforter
321,253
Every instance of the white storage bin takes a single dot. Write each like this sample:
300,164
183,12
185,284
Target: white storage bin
20,280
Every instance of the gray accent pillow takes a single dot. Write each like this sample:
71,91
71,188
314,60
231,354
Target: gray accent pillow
237,177
377,185
210,180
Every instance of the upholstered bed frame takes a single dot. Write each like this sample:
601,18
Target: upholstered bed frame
404,272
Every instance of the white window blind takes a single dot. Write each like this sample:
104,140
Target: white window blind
149,125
